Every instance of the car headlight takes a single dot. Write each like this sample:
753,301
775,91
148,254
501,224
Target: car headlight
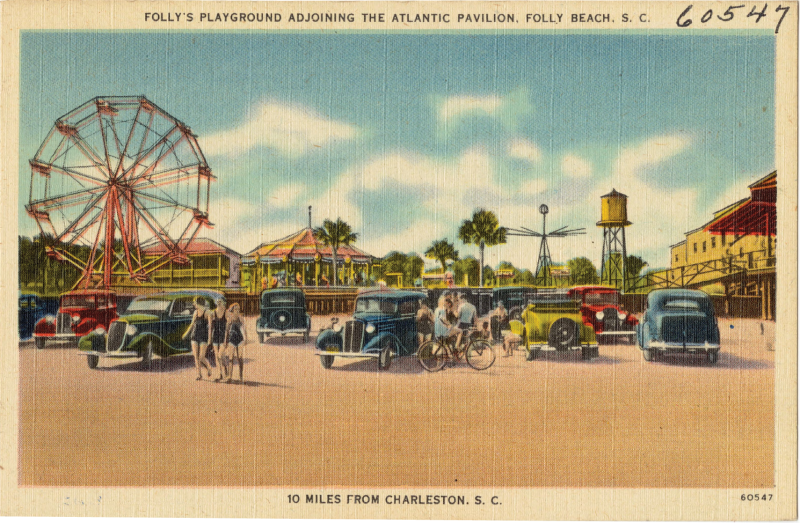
50,319
76,318
337,328
600,315
281,318
370,328
621,316
130,330
100,331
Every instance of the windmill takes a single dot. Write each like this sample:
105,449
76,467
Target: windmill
542,276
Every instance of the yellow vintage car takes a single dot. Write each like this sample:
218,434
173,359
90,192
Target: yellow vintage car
553,321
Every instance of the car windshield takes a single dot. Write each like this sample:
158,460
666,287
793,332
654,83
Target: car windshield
151,305
375,305
78,302
682,304
272,300
601,298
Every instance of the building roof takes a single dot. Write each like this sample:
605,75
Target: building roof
753,216
198,246
303,246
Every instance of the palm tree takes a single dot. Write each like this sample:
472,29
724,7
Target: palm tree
442,250
334,235
484,229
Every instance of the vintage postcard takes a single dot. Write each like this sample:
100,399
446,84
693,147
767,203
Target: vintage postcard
390,260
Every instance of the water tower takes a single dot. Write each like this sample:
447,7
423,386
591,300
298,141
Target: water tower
613,220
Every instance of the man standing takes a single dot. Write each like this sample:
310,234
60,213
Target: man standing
467,314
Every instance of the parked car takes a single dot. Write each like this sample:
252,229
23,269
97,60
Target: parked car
283,311
553,321
151,326
383,327
79,313
32,308
514,299
678,321
600,308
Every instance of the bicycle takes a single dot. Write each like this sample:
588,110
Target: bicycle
433,354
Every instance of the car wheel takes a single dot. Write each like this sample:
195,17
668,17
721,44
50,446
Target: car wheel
648,354
262,338
92,360
39,343
327,361
306,335
532,354
563,334
712,356
385,357
586,353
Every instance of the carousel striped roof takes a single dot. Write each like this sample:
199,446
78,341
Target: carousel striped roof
303,246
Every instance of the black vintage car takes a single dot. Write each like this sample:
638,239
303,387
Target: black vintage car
384,326
514,299
283,311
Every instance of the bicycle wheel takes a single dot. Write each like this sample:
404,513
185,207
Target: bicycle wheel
431,356
480,355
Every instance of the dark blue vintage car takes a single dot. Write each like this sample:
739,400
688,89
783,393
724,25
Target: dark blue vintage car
383,327
678,321
283,311
33,308
152,325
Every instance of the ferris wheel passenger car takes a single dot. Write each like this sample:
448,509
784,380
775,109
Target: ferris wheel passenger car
152,325
79,313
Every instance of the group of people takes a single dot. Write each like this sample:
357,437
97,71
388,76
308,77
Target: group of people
454,316
222,329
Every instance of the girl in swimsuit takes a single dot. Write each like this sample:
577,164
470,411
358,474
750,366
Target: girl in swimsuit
218,327
235,336
199,332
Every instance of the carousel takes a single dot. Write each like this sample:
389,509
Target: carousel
300,260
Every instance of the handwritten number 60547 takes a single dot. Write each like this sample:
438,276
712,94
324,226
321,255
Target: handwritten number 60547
684,20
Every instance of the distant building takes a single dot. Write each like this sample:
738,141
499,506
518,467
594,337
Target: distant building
736,248
211,265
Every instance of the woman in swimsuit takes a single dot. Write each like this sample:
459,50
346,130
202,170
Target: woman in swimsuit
235,336
218,328
199,332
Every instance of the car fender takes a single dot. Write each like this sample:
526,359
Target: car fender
44,328
92,342
160,347
85,326
376,344
328,337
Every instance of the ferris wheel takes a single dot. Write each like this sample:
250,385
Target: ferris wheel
114,176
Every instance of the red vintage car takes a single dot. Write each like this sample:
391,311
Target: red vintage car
79,313
600,308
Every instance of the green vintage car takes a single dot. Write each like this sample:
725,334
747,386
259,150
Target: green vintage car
151,326
553,321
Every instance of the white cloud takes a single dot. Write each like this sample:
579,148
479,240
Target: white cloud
534,187
575,167
456,106
524,150
286,195
290,130
632,160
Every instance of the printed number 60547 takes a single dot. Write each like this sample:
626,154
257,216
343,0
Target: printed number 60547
756,497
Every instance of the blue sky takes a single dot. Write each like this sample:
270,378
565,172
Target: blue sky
404,135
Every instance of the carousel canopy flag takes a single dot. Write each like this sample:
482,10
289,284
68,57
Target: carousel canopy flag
303,247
